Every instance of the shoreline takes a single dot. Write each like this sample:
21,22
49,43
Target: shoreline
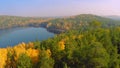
52,30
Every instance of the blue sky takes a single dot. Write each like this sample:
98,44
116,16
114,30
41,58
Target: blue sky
42,8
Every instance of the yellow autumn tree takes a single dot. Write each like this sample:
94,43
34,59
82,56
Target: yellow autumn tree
3,57
61,45
33,54
16,51
19,49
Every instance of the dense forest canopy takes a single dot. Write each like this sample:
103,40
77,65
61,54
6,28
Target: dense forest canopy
89,42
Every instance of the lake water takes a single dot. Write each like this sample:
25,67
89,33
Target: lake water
14,36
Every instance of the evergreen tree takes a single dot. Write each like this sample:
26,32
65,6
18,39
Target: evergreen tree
24,61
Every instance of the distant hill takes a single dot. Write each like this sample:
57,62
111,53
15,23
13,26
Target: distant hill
79,20
114,17
53,24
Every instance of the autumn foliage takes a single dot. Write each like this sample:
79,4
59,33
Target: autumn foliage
16,51
3,57
88,47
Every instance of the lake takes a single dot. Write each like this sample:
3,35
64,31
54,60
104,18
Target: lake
14,36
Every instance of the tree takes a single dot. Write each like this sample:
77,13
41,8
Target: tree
95,24
24,61
11,62
45,60
92,56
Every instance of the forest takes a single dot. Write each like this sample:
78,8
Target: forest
56,25
88,42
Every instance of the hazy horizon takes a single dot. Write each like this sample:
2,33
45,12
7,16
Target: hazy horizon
52,8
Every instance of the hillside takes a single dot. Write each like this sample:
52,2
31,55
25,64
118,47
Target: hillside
14,21
91,48
114,17
56,25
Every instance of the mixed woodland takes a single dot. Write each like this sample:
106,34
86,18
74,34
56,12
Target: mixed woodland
87,41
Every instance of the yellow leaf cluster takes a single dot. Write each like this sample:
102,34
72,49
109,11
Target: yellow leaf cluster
3,57
80,36
28,49
61,45
19,49
33,54
48,52
73,37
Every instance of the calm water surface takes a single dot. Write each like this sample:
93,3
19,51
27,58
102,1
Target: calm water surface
13,36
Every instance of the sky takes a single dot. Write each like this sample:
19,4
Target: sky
47,8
